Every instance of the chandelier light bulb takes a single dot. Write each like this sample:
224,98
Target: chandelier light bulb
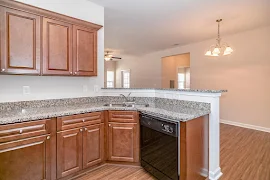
228,49
226,53
216,51
208,53
215,54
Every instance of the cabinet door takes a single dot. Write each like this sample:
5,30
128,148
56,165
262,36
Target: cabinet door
57,47
123,142
26,159
85,51
69,152
93,145
20,42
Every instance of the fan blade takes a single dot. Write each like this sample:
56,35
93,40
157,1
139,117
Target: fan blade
116,57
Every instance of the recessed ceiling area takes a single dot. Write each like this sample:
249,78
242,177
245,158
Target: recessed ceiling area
138,27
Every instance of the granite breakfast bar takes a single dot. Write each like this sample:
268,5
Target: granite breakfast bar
180,106
35,110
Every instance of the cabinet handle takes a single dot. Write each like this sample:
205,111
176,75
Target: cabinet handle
70,72
83,120
21,131
81,130
48,137
75,72
110,125
3,70
85,129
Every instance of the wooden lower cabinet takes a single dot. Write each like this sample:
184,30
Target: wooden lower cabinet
37,151
123,142
69,152
80,148
93,145
26,159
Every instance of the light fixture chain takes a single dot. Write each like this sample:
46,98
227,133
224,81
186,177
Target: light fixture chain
218,31
218,39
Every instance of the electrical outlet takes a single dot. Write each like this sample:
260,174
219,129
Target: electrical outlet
26,90
96,88
85,88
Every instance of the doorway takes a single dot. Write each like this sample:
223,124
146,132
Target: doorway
176,71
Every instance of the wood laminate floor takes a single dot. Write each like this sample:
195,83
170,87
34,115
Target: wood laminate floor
245,155
115,172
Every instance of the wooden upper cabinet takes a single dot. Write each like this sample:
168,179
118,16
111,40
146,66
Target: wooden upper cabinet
31,43
20,42
57,47
84,51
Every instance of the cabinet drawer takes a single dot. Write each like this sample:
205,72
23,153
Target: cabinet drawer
75,121
123,116
17,131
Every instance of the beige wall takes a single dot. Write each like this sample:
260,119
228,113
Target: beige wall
245,74
145,71
170,66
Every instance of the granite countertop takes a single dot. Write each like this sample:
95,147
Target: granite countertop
170,89
174,114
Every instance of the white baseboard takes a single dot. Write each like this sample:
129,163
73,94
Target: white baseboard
204,172
215,175
248,126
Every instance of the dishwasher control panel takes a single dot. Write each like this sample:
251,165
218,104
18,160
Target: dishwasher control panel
159,124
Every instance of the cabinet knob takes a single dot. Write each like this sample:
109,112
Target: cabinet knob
21,131
81,130
75,72
48,137
110,125
70,72
2,70
83,120
85,129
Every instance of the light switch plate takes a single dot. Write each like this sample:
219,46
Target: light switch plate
85,88
26,90
96,88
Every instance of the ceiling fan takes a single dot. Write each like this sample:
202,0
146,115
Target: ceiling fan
109,57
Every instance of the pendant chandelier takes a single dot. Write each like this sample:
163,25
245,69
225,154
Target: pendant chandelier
219,48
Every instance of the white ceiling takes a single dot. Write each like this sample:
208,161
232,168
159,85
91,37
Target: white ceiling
142,26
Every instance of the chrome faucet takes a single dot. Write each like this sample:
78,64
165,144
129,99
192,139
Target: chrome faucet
127,97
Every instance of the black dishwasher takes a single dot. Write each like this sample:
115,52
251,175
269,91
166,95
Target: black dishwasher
160,147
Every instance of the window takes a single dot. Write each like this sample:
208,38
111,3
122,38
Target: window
183,78
126,79
110,79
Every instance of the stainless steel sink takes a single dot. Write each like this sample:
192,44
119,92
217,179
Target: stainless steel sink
115,105
126,105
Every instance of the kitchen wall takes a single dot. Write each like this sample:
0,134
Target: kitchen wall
170,65
145,71
53,86
245,74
